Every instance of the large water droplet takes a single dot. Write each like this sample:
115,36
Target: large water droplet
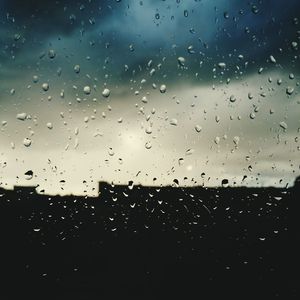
106,93
22,116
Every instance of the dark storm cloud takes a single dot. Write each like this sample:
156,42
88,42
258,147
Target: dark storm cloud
219,31
58,17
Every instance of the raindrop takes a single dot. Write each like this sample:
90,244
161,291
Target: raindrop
272,59
130,184
189,151
27,142
217,140
180,161
198,128
294,45
173,122
181,60
232,98
283,125
225,183
289,90
236,140
163,88
190,49
51,54
148,130
106,93
77,69
111,152
45,86
22,116
252,115
221,65
28,175
148,145
254,9
87,90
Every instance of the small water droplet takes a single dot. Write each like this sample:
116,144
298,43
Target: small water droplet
181,61
163,88
27,142
45,86
51,53
28,175
87,90
198,128
173,122
77,69
148,145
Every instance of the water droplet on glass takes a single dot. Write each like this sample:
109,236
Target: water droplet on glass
236,140
27,142
51,54
225,183
45,86
35,78
283,125
87,90
198,128
106,93
28,175
173,122
221,65
148,130
111,152
77,69
289,90
294,45
252,115
232,98
181,161
130,184
272,59
22,116
181,61
190,49
148,145
163,88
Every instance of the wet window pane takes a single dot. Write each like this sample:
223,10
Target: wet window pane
151,146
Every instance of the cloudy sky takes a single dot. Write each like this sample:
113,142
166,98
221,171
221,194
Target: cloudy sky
149,91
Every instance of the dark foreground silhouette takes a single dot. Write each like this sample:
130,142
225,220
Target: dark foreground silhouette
151,243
